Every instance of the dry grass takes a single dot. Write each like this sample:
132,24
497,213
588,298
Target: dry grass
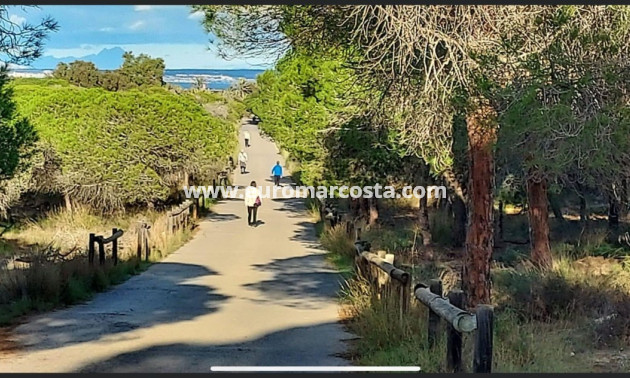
69,231
384,340
45,284
572,318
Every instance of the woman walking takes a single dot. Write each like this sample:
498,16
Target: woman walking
242,160
252,201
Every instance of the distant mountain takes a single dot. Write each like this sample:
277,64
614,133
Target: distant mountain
106,59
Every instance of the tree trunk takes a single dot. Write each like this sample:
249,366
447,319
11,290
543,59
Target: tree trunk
481,127
423,221
66,198
354,207
459,226
372,202
554,203
583,215
613,213
453,182
539,223
498,228
364,207
625,200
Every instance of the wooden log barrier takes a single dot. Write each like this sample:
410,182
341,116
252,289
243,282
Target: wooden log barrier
461,320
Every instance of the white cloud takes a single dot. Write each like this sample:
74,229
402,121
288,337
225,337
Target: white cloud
17,19
143,8
106,29
196,15
137,25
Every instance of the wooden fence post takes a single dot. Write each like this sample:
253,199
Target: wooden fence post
140,231
147,247
115,247
482,360
101,250
91,251
403,300
435,286
454,338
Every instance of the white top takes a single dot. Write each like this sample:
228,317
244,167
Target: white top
250,196
246,134
242,156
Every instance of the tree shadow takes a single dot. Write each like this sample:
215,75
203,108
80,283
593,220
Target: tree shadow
285,180
299,282
295,206
219,217
158,296
316,345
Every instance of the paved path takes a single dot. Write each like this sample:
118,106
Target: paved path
234,295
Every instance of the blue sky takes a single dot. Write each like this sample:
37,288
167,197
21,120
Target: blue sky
168,31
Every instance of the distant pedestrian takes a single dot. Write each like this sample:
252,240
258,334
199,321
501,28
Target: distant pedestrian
231,163
276,171
247,138
252,201
242,160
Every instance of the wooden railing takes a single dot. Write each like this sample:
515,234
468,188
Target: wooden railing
459,321
179,216
143,245
101,241
391,285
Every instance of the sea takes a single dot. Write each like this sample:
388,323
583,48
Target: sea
185,78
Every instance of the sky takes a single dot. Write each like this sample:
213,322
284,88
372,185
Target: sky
171,32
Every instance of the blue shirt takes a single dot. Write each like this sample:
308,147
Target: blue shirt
276,170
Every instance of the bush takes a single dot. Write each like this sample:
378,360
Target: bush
337,242
112,149
441,226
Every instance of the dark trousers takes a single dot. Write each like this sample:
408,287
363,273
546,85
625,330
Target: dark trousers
242,167
246,142
251,214
276,180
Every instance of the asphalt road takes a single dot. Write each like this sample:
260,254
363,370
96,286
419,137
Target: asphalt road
234,295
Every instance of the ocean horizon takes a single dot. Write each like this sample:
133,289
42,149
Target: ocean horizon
218,79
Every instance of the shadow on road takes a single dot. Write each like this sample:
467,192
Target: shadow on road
298,282
299,346
160,295
217,217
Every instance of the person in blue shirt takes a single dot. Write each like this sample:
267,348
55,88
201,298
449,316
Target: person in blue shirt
276,171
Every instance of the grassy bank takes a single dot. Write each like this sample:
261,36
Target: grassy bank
59,273
572,318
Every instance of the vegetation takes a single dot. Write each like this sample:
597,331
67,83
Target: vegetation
115,146
116,149
59,273
428,69
136,71
510,107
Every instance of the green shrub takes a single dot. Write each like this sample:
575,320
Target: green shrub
337,242
76,290
100,280
441,226
112,149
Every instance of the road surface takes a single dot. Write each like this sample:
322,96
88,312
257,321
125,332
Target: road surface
233,295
